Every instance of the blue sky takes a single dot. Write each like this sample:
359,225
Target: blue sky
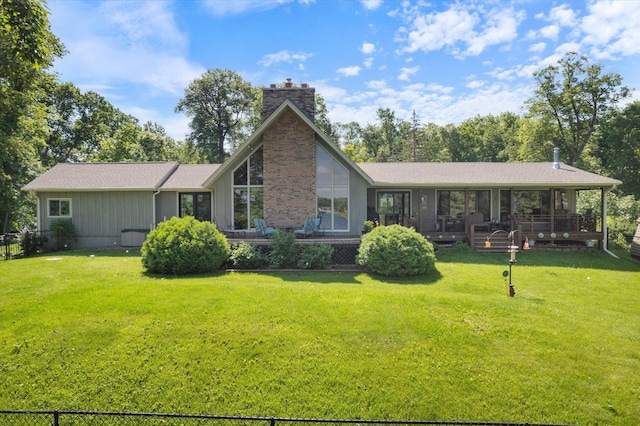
447,61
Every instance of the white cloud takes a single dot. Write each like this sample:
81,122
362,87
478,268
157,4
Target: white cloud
283,56
376,84
349,71
501,27
434,87
538,47
475,84
368,48
563,15
371,4
458,27
238,7
406,73
116,43
368,62
436,30
550,32
611,28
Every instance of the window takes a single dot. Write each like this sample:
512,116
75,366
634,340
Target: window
451,203
332,192
248,191
60,207
196,204
462,203
394,207
527,203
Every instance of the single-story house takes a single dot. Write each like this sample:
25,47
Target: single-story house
289,171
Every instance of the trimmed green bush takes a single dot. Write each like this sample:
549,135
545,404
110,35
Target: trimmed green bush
315,256
396,251
247,256
184,246
284,253
63,233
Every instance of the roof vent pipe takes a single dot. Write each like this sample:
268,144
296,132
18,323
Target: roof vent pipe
556,158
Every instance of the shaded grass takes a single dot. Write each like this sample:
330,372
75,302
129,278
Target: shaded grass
96,333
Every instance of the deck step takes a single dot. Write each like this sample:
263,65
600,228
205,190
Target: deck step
499,243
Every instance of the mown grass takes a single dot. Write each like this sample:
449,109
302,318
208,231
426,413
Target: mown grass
94,332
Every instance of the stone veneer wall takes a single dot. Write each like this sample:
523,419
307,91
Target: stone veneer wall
289,172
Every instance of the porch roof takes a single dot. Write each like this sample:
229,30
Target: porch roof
103,176
483,175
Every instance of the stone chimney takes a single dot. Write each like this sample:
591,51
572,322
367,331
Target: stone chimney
304,97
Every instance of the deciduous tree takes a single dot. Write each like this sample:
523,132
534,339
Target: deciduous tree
27,49
574,96
218,102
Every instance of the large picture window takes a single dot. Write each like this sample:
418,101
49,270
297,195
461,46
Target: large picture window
458,204
59,207
248,191
527,203
196,204
332,192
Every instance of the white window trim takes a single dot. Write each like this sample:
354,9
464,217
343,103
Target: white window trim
61,216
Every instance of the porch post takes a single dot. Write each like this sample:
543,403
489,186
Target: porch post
603,201
552,207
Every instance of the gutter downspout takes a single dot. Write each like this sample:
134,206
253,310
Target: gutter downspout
604,224
157,191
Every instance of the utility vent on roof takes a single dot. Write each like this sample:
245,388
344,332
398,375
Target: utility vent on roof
556,158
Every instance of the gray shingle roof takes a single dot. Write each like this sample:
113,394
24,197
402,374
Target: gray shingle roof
481,174
190,176
102,176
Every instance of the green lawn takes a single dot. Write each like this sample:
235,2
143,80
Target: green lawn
91,331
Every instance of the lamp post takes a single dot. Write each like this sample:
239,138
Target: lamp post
512,250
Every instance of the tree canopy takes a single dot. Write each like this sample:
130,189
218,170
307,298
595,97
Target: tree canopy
218,102
575,96
27,49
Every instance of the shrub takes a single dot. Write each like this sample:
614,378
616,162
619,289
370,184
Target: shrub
247,256
396,251
184,246
316,256
29,242
63,233
284,253
461,246
367,226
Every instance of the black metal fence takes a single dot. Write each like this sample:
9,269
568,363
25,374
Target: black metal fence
65,418
18,244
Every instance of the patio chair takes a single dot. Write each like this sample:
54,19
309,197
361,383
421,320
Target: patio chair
477,219
307,228
262,229
316,225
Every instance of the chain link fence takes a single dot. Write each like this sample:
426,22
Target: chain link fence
84,418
